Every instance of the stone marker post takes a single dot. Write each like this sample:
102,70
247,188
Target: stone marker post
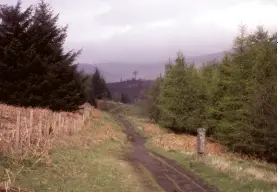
201,137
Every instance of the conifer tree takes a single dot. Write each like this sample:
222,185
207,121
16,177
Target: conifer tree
263,95
152,100
99,88
37,71
182,97
62,86
231,113
210,79
235,97
244,114
124,98
15,54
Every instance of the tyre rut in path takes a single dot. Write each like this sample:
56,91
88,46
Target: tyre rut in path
171,176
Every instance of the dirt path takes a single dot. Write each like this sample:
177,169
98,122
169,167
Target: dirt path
171,176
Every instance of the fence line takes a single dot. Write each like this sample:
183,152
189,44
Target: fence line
23,130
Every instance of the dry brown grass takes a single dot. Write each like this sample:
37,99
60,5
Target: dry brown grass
188,143
75,159
26,131
6,186
152,129
250,169
184,143
217,155
103,130
96,129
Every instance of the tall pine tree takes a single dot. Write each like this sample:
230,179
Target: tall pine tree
232,105
243,104
210,79
61,81
181,97
152,100
99,88
36,70
263,49
16,52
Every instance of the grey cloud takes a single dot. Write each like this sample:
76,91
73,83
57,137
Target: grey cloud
149,31
138,12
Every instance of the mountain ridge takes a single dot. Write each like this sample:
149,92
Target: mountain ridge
117,71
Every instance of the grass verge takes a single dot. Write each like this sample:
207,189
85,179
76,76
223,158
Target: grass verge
227,172
93,160
224,180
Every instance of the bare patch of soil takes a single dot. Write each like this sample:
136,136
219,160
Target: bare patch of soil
168,174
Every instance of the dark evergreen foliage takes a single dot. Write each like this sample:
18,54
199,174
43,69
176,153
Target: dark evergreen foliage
181,99
152,101
16,53
124,98
234,98
99,88
35,69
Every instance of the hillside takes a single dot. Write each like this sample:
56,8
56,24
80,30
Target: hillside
102,154
201,126
131,88
114,72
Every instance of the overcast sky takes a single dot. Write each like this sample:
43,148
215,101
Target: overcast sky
152,30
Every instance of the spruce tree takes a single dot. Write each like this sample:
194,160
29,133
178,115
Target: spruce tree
16,51
243,105
263,91
152,100
61,85
89,97
171,89
108,94
220,106
210,79
97,85
182,97
124,98
99,88
35,70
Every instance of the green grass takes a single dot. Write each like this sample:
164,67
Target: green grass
125,109
227,174
225,181
137,125
76,168
100,169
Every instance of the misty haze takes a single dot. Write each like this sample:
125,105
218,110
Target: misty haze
138,95
122,36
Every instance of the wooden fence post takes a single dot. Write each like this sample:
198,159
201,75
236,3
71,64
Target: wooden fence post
74,126
59,124
63,125
201,145
39,131
54,123
71,126
66,126
31,128
17,132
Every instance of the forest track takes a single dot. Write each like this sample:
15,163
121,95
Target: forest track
171,176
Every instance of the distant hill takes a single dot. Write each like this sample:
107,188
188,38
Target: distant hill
109,75
114,72
131,88
199,60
